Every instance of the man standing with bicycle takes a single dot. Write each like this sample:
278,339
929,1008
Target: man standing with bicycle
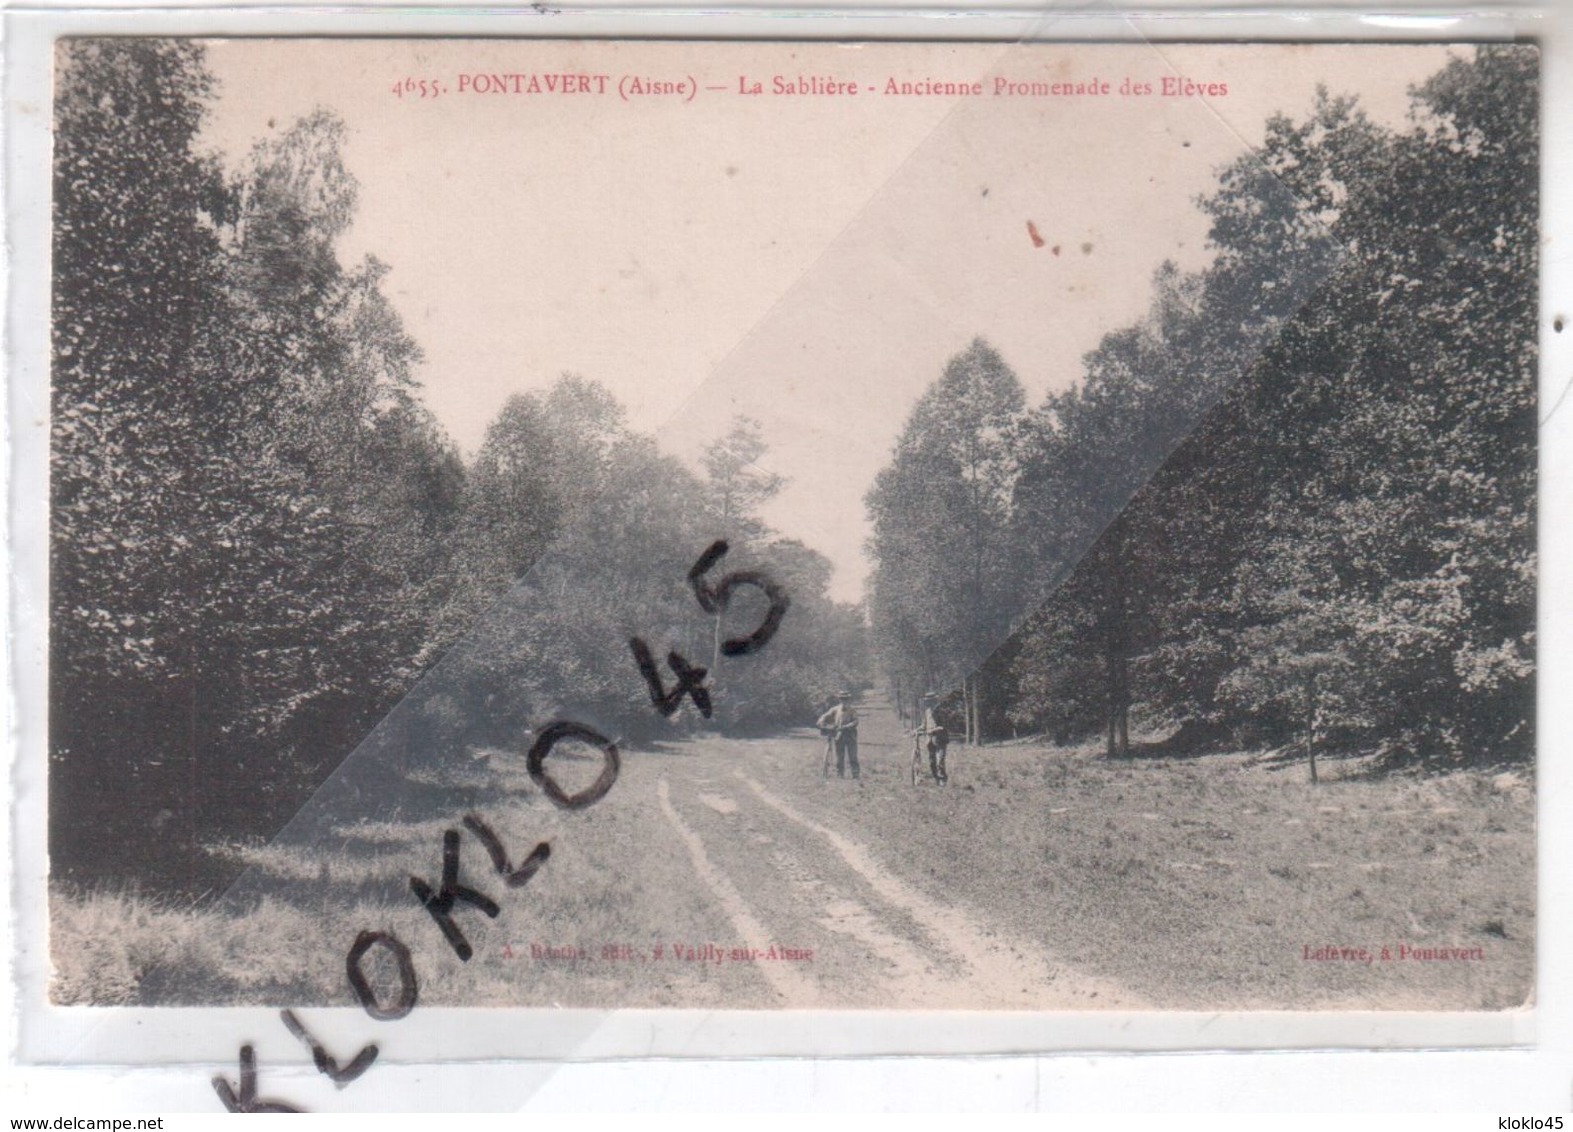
938,739
840,725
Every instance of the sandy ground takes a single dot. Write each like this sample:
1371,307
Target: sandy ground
876,939
1038,879
734,873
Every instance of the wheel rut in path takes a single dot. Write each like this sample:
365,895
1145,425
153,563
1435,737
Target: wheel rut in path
794,988
879,942
999,972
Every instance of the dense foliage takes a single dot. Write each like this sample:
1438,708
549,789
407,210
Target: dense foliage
261,538
948,579
1295,503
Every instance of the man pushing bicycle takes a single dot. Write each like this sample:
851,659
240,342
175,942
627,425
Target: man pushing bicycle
839,725
938,742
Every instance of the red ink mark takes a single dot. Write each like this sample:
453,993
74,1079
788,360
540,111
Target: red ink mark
1037,240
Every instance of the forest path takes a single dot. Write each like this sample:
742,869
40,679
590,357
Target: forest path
787,874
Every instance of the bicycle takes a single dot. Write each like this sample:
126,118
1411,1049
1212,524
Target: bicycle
941,776
830,734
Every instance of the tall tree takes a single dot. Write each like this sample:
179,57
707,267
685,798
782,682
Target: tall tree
135,288
336,425
1344,547
736,487
243,488
946,586
1418,473
543,460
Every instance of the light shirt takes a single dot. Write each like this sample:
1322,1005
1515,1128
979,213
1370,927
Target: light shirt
839,716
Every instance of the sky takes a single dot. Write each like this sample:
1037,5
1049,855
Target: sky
809,260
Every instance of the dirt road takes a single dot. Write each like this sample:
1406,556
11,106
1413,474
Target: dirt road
785,875
727,873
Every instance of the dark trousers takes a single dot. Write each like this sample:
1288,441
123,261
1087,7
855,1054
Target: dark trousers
938,745
847,751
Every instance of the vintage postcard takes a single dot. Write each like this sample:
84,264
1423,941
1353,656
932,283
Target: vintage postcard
1024,529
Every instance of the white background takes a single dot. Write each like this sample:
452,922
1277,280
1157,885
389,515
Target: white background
1535,1079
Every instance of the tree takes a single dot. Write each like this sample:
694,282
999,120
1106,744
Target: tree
819,649
1344,544
137,296
737,485
244,492
946,586
1096,556
543,460
341,623
1419,472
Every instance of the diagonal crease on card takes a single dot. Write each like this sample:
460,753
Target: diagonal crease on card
376,783
545,654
